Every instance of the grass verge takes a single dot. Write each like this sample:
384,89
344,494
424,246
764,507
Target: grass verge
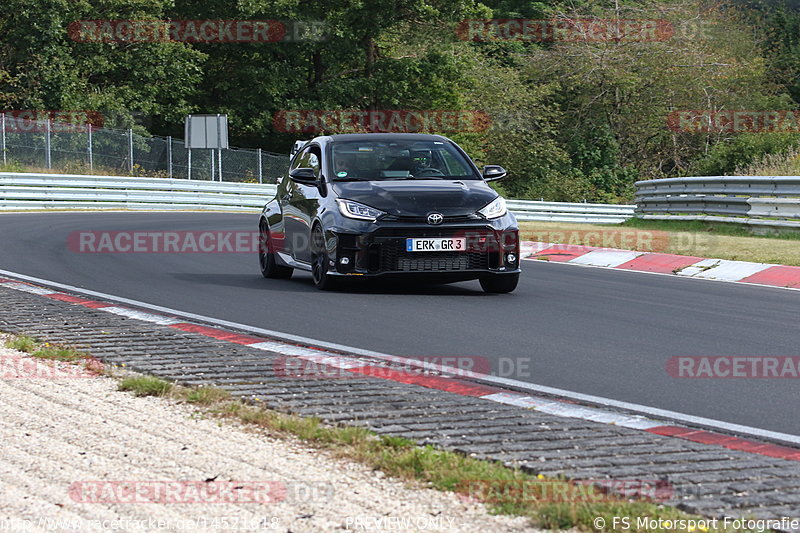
52,352
549,503
694,238
505,490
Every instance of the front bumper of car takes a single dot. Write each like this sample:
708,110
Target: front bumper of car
379,248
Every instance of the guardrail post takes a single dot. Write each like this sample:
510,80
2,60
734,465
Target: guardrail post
3,127
169,156
89,149
47,156
130,149
260,173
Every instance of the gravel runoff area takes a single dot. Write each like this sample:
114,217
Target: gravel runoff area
67,443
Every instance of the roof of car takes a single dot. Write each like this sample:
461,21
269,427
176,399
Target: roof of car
383,137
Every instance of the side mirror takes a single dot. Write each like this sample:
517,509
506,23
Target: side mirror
304,176
493,172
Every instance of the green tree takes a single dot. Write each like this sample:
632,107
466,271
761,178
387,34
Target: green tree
42,68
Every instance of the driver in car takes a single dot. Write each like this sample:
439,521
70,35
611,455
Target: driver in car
422,164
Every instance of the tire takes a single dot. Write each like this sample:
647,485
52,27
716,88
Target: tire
320,262
266,257
499,283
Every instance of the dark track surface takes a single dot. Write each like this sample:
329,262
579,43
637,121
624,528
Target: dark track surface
595,331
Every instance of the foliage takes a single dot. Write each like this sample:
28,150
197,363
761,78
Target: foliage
569,120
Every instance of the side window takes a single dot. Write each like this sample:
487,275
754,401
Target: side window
313,160
299,159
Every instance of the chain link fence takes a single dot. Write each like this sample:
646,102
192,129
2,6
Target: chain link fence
85,149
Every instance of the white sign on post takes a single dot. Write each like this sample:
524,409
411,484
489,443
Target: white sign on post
207,132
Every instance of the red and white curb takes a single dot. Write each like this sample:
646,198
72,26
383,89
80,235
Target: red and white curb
680,265
438,377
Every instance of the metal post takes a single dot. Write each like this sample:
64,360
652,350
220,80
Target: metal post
189,161
130,150
260,173
169,156
3,126
89,148
212,165
219,144
47,156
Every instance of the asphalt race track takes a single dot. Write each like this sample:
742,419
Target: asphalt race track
596,331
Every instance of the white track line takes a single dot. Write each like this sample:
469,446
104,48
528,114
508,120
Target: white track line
542,389
671,276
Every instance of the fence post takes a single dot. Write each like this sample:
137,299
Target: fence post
3,126
130,149
169,156
47,156
89,148
212,165
219,162
189,161
260,173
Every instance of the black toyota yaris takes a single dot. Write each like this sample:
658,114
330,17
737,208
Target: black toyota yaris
390,204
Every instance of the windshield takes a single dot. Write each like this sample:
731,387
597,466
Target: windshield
397,160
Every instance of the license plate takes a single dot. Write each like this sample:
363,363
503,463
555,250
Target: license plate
438,244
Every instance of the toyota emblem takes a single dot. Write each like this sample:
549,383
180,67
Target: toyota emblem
435,218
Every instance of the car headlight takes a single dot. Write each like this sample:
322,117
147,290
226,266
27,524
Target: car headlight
495,209
352,209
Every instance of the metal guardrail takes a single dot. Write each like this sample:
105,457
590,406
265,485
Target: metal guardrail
566,212
770,201
62,191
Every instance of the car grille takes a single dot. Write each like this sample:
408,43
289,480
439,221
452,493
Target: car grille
393,257
434,261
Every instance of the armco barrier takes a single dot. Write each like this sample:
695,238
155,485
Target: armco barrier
61,191
770,201
565,212
19,191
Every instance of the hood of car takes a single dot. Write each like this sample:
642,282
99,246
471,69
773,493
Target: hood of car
417,198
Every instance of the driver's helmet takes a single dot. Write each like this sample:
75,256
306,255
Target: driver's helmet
422,158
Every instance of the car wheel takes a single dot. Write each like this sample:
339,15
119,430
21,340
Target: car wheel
266,256
499,283
320,261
